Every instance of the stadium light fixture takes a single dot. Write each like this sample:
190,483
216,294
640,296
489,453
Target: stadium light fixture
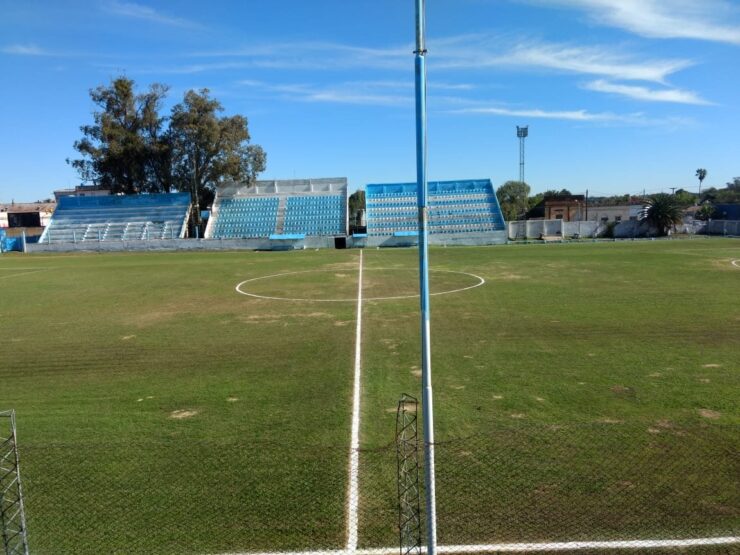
522,133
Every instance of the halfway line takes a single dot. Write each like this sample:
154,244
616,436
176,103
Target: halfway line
353,494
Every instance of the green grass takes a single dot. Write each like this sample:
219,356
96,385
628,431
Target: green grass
571,394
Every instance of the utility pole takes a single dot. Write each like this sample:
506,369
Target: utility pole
673,190
426,352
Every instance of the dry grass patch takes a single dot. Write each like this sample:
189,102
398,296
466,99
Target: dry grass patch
182,414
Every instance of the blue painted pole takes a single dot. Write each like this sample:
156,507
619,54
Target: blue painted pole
422,200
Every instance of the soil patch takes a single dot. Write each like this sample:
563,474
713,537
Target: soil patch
708,413
183,413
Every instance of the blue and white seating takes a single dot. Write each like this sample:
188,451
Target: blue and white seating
118,218
455,207
280,209
245,217
315,215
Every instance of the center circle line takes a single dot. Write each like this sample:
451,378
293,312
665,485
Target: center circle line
239,285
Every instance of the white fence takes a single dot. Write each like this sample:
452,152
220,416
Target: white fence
540,229
549,229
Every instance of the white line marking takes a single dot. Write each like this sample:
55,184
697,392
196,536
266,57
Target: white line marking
239,290
736,263
353,493
522,547
22,274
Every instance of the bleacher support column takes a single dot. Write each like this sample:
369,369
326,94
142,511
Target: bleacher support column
421,177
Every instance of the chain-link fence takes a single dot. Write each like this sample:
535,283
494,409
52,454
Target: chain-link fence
517,483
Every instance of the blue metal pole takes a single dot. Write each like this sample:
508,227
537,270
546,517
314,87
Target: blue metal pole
422,199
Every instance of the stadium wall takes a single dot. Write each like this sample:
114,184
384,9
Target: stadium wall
722,227
534,229
185,245
459,239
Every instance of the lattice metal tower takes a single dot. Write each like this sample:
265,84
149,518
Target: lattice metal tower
409,505
12,517
522,133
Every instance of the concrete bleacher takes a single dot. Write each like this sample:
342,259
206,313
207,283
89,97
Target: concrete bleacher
466,207
245,217
280,210
118,218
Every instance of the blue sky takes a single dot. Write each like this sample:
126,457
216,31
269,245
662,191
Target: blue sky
620,95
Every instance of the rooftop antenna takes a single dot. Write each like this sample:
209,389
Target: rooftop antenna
422,194
522,133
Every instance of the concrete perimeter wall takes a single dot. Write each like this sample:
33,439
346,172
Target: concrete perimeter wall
722,227
534,229
443,239
184,244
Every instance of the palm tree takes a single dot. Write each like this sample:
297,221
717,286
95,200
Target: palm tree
662,212
701,173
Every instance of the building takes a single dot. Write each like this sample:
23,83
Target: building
621,213
570,208
82,191
31,217
727,212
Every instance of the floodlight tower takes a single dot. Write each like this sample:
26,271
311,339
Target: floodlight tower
522,133
423,210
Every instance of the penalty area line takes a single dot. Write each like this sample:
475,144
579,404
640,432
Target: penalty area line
520,547
353,493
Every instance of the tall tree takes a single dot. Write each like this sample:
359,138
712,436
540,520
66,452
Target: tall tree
118,149
513,198
701,173
208,149
662,212
356,203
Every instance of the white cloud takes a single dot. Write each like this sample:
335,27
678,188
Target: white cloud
139,11
643,93
634,119
710,20
24,50
464,52
342,93
482,51
570,115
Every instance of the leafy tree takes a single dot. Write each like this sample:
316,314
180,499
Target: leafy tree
684,198
534,200
513,198
125,148
356,203
729,195
701,173
553,193
208,149
706,212
663,212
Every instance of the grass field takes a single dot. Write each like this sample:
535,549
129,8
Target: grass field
585,391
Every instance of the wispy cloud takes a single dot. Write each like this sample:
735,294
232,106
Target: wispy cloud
358,93
633,119
25,50
709,20
315,55
643,93
607,61
146,13
464,52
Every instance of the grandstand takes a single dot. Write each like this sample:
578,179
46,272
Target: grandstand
118,218
460,211
290,210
